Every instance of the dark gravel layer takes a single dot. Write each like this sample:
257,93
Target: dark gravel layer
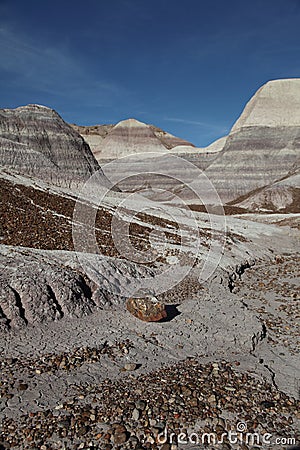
131,412
38,219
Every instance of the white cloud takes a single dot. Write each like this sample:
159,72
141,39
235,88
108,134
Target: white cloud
208,126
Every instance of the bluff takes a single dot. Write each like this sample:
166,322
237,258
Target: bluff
128,137
35,141
263,146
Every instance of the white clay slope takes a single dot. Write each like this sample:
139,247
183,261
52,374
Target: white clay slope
263,145
275,104
129,137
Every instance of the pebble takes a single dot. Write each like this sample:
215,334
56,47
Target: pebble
212,399
136,414
130,366
119,435
140,404
230,389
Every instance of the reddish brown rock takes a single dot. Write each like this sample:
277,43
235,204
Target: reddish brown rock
148,309
120,435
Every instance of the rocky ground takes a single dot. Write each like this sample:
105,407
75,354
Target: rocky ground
224,361
110,381
39,219
142,412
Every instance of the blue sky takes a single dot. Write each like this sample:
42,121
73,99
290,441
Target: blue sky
188,66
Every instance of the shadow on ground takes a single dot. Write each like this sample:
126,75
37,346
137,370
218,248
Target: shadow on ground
172,312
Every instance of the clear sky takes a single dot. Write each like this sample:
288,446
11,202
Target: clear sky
187,66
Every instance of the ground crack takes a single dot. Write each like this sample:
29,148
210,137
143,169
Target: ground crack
55,301
273,375
256,339
239,271
19,305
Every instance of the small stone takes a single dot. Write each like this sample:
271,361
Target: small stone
141,405
148,309
120,434
82,431
23,386
130,366
133,440
135,414
267,404
64,423
186,391
150,440
107,437
193,402
212,399
57,407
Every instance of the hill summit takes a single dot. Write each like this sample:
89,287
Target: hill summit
35,141
129,136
